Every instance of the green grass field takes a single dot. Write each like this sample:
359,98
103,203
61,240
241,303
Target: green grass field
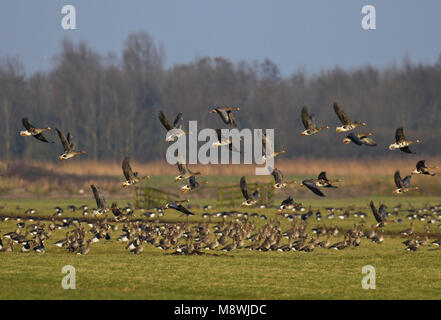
111,272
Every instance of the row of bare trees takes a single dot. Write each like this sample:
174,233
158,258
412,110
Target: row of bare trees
110,103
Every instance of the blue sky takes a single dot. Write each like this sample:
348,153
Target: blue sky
311,35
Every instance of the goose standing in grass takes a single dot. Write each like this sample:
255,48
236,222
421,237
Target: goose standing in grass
132,178
69,147
348,125
32,131
250,199
279,181
85,249
192,184
309,124
380,218
225,113
360,139
401,142
100,201
422,169
184,172
402,184
173,131
311,185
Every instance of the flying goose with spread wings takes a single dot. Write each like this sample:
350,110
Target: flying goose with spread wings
100,201
173,131
348,125
250,199
421,168
309,123
402,184
132,178
401,142
68,145
32,131
225,113
279,181
360,139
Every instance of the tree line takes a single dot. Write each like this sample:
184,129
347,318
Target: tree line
109,103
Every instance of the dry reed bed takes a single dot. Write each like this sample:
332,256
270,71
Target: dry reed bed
298,167
360,177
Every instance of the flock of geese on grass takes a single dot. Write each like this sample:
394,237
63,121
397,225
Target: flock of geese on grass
241,232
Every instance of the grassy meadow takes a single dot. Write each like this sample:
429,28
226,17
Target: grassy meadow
111,272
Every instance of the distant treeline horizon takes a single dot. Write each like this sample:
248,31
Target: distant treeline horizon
110,103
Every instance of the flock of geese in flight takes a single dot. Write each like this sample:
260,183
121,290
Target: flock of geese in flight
239,233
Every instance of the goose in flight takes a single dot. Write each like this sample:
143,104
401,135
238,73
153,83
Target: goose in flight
309,124
223,141
192,184
177,205
68,145
226,114
422,169
249,199
33,131
184,172
312,185
380,218
132,178
100,201
279,181
402,184
268,149
287,204
348,125
173,131
360,139
401,142
323,181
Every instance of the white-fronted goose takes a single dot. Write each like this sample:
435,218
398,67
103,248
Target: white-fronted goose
226,114
250,199
421,168
309,124
192,184
33,131
279,181
323,181
131,177
360,139
401,142
348,125
268,149
173,131
100,201
288,204
311,185
184,172
223,141
402,184
69,147
176,205
380,218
